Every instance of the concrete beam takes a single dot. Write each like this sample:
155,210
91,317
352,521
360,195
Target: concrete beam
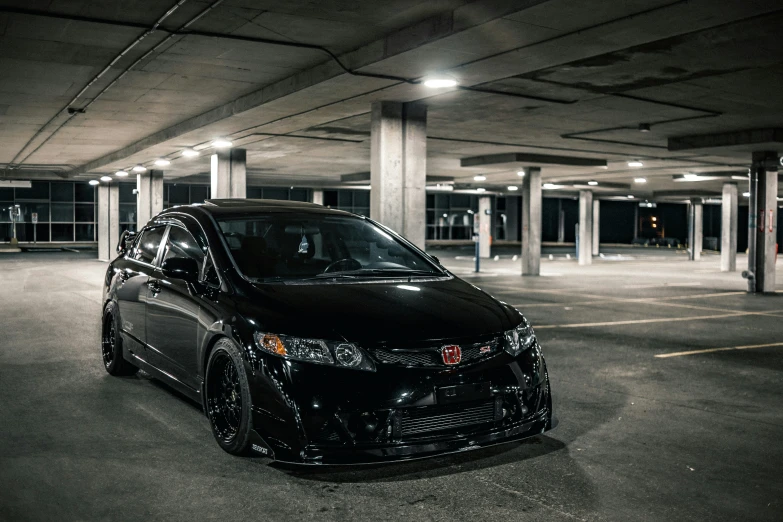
530,159
531,221
728,230
756,137
149,196
585,227
358,177
108,220
229,174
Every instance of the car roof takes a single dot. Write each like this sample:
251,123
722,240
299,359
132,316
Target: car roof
242,207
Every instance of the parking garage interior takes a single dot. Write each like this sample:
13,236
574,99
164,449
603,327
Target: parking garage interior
610,169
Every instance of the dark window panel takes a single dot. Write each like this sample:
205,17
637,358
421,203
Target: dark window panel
84,213
345,199
430,200
126,193
330,198
127,213
62,212
179,194
276,193
62,192
62,232
85,232
85,192
27,210
255,193
459,200
42,232
198,193
361,198
5,214
6,194
38,190
300,195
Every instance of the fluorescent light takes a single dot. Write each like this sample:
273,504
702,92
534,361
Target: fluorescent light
690,176
162,162
630,196
521,173
139,168
746,194
221,143
592,183
479,178
105,178
551,186
744,178
190,153
439,82
481,189
635,163
640,180
121,174
94,182
513,187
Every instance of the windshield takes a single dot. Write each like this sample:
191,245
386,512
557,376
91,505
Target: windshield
304,246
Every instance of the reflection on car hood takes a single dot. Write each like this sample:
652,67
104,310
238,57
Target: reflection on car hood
379,311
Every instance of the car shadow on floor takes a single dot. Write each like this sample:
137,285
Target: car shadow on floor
483,458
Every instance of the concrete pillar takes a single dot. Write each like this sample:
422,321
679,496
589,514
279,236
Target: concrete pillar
108,221
318,197
596,226
229,174
531,221
485,226
149,196
585,227
728,228
763,196
398,168
695,229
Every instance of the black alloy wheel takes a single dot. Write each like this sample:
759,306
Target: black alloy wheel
227,398
111,345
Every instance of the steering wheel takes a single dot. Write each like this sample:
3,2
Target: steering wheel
343,265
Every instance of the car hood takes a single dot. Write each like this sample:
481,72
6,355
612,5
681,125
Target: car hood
378,312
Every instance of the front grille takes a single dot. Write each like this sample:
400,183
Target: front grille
435,419
430,356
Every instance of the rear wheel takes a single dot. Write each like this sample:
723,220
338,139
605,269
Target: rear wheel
111,344
227,398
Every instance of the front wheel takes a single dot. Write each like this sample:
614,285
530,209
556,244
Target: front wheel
111,344
227,398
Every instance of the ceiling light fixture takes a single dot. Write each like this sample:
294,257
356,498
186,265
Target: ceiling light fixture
635,163
630,196
221,143
94,182
592,183
746,194
121,174
481,189
551,186
744,178
644,127
190,153
640,180
690,176
513,187
521,173
105,178
479,178
439,82
139,168
162,162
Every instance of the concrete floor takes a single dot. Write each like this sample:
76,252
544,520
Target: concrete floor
691,437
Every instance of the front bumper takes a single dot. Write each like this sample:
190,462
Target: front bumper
323,415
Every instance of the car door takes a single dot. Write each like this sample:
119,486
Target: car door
173,312
132,291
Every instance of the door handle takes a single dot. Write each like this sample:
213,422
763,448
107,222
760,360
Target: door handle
124,275
154,287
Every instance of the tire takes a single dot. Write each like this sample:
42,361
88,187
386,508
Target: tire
111,344
227,398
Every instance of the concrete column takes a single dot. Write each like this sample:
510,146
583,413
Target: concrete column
398,168
585,227
229,174
531,221
149,196
318,196
695,229
596,226
764,192
728,228
485,226
108,221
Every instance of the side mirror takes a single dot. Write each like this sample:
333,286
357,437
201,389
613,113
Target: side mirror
183,268
126,241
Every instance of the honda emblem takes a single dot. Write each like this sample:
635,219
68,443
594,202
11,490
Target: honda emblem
452,354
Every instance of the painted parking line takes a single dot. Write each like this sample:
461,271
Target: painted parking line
712,350
662,285
641,300
646,321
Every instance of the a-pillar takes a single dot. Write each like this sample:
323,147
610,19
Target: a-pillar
318,197
398,168
728,228
763,199
695,229
149,196
108,221
229,174
531,221
596,226
485,226
585,227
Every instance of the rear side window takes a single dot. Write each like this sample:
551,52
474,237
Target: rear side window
148,244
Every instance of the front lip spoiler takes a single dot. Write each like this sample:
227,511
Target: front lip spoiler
350,455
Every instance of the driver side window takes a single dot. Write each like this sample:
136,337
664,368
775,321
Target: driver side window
147,245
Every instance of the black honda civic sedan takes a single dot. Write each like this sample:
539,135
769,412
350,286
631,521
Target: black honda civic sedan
316,336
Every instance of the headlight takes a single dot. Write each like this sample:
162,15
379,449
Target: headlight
520,338
342,354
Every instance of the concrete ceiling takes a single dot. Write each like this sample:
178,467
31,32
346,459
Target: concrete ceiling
556,77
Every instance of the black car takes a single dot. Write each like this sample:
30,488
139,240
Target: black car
313,335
